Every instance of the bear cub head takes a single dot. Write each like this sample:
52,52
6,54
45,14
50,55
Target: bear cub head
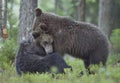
42,38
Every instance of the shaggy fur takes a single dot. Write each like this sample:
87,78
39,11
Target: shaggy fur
28,61
46,41
79,39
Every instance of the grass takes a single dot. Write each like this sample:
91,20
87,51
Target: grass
109,75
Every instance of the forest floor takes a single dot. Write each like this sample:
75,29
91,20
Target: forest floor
109,75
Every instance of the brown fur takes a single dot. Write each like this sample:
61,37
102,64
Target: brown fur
80,39
44,40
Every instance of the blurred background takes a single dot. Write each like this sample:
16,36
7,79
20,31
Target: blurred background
16,18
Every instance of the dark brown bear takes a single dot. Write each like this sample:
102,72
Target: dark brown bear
43,39
46,41
33,59
40,29
79,39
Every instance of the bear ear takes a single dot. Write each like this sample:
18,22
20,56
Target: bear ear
43,26
38,11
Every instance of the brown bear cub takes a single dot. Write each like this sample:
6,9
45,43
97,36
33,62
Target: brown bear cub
79,39
43,39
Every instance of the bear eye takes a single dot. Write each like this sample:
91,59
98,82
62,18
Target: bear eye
45,43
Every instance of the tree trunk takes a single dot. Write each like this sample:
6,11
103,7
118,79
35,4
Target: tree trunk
4,13
74,14
12,4
105,21
58,6
0,17
26,17
81,10
78,9
116,14
3,18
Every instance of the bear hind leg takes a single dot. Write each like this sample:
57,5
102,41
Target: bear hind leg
98,58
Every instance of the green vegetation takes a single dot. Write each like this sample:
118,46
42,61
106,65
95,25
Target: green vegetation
115,43
115,40
110,75
8,47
